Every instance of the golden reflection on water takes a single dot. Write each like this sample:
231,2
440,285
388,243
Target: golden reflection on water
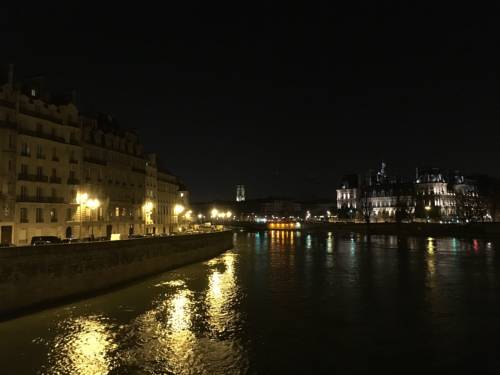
84,348
431,261
222,291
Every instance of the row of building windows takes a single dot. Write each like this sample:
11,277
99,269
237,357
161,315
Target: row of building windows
40,216
40,154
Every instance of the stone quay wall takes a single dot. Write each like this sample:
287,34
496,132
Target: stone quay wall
32,277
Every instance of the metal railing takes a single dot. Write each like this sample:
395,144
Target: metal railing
32,177
35,199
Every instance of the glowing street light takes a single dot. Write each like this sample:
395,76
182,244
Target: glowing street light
147,207
214,213
81,199
93,204
178,209
427,208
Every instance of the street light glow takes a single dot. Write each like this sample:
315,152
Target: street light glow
148,206
178,209
82,198
93,203
214,213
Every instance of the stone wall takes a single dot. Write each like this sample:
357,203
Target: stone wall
34,276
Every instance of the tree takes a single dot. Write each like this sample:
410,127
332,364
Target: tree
405,202
366,205
345,213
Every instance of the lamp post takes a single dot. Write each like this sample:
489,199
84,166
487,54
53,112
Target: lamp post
81,199
178,209
427,209
148,209
93,204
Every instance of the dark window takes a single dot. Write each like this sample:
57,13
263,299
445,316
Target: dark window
39,215
23,214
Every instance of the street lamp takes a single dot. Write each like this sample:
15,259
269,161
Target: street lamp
147,207
427,208
81,199
178,209
93,204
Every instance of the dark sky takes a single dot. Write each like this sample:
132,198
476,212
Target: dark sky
284,99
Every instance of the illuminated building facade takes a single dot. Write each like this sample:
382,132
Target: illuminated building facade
72,176
240,193
41,162
432,195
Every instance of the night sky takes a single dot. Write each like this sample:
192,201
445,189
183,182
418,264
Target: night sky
283,99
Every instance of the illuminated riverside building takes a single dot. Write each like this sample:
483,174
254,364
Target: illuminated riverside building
67,175
432,195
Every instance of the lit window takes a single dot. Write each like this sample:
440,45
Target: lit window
53,215
33,92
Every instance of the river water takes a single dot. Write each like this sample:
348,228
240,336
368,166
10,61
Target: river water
283,303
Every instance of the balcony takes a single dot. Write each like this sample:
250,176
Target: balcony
42,157
55,180
55,158
73,181
32,177
7,104
38,134
7,125
74,124
25,198
138,170
24,110
73,161
95,161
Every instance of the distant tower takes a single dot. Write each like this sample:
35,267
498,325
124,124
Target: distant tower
240,193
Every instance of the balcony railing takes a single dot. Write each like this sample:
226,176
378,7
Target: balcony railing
138,170
55,180
43,116
95,161
73,181
7,104
39,134
74,124
7,125
73,161
25,198
32,177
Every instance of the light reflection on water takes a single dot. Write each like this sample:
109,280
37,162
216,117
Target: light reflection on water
83,347
266,306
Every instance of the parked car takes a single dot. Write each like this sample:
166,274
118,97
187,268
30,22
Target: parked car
44,240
